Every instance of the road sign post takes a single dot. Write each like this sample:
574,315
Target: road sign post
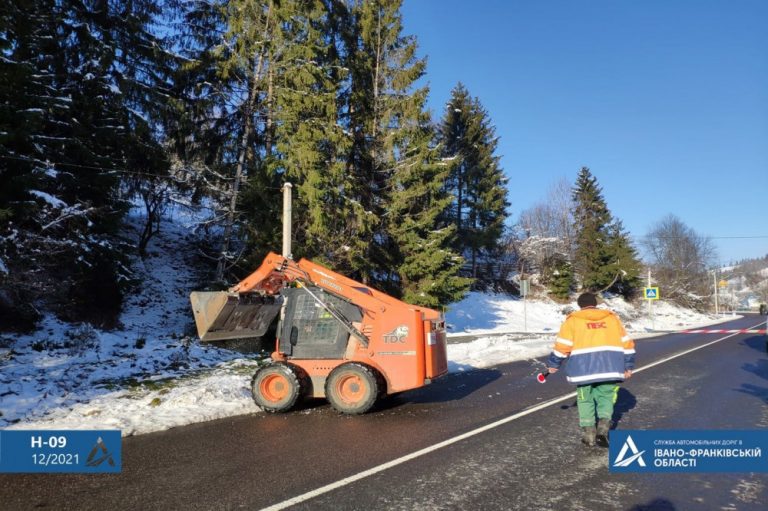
714,277
650,293
525,287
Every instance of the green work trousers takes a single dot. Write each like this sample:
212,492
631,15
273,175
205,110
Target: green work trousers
596,397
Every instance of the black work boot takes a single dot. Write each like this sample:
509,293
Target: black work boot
588,435
603,426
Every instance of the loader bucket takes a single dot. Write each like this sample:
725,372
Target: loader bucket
220,315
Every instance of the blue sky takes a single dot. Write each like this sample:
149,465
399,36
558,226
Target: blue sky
665,101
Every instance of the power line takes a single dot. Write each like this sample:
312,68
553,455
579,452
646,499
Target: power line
737,237
88,167
107,169
763,236
171,178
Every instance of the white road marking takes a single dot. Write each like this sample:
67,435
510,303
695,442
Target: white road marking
408,457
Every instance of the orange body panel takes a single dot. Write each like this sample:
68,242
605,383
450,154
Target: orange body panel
406,343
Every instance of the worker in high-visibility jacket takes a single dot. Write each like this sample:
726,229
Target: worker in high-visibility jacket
600,355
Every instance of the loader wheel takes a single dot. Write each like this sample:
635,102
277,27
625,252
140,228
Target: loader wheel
352,388
276,387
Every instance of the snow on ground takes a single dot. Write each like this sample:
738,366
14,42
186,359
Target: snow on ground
512,329
481,313
145,377
153,375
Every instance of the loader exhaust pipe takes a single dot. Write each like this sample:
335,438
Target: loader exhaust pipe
287,211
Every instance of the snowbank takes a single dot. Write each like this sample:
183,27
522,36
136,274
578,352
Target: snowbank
481,314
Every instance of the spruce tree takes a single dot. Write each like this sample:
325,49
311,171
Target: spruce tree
560,280
243,63
379,100
271,117
623,265
321,94
401,245
604,259
195,133
427,269
477,181
454,135
304,140
591,218
76,117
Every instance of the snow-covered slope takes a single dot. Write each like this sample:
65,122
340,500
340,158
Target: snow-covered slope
144,377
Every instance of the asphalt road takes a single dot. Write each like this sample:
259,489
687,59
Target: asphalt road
532,461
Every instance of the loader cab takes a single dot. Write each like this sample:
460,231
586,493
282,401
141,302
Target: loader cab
307,330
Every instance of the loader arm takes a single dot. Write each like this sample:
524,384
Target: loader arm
274,273
247,308
240,311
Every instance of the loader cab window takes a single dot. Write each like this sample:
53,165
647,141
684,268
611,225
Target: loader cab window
308,330
312,323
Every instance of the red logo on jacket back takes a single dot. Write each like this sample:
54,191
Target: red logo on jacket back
595,325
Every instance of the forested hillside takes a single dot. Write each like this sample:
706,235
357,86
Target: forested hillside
112,105
213,105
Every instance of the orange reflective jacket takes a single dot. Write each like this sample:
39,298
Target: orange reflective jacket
596,345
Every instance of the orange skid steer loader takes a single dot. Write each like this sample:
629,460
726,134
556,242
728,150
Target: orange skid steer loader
336,338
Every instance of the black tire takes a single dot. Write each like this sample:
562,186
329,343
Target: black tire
277,387
382,382
352,388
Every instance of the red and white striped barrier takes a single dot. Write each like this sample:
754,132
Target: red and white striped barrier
716,331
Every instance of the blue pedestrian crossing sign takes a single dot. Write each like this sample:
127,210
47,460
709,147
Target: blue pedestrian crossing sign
651,293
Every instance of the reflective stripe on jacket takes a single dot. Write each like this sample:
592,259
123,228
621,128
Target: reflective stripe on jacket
596,345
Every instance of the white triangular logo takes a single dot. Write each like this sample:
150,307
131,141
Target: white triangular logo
629,445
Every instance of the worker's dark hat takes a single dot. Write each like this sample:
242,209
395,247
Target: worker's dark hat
587,300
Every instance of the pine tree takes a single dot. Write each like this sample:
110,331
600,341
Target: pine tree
75,115
305,142
560,280
591,218
400,245
605,259
477,181
427,267
623,265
